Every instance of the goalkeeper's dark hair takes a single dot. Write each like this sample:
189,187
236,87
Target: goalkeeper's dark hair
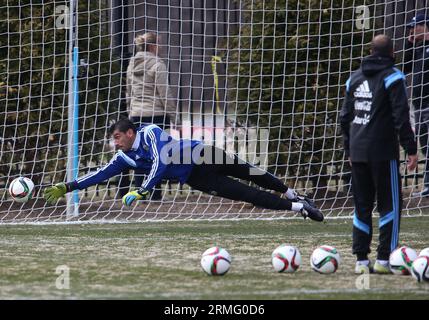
382,45
123,125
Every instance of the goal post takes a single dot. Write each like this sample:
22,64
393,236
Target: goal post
263,79
73,112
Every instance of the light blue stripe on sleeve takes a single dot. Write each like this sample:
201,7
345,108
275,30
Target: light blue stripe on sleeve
127,159
148,129
389,80
348,85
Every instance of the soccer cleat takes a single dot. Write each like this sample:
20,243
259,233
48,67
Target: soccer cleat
307,200
310,212
303,198
423,193
381,269
363,268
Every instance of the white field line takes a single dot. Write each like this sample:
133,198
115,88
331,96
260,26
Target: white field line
112,221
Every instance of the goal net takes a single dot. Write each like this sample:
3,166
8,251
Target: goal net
263,79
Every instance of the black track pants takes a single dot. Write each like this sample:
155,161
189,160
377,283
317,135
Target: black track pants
371,180
214,177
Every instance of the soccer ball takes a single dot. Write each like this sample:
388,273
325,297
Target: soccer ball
401,260
286,258
21,189
420,269
325,259
216,261
424,252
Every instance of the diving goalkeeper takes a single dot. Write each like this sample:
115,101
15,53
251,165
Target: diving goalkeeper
205,168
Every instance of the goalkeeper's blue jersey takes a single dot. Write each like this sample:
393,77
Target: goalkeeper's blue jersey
154,153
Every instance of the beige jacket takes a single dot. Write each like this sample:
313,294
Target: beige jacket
148,93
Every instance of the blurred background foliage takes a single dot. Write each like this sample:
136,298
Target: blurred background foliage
34,86
287,70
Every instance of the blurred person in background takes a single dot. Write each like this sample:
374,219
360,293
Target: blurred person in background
416,62
149,98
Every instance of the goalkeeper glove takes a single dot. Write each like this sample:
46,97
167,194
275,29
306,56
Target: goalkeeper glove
139,194
52,194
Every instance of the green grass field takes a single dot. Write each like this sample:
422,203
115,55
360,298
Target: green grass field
161,260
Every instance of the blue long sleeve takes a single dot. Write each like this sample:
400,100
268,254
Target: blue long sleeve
154,153
117,164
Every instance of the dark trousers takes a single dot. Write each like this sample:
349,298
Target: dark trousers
422,131
214,177
164,123
381,180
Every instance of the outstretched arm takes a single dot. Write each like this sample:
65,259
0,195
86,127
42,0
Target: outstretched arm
119,162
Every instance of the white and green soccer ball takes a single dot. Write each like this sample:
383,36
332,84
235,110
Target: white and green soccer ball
216,261
401,260
21,189
286,258
424,252
325,259
420,269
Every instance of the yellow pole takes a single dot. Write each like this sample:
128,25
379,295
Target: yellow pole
216,59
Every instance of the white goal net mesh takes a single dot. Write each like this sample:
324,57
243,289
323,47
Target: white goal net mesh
264,79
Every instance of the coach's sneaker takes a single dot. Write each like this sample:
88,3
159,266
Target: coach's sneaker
363,267
381,267
310,212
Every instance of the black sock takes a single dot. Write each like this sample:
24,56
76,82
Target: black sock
362,256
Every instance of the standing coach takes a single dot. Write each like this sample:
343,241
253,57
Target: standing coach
374,120
416,62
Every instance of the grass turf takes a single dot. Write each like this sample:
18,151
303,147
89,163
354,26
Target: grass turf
161,260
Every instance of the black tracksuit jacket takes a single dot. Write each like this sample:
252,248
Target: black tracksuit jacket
416,61
376,112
